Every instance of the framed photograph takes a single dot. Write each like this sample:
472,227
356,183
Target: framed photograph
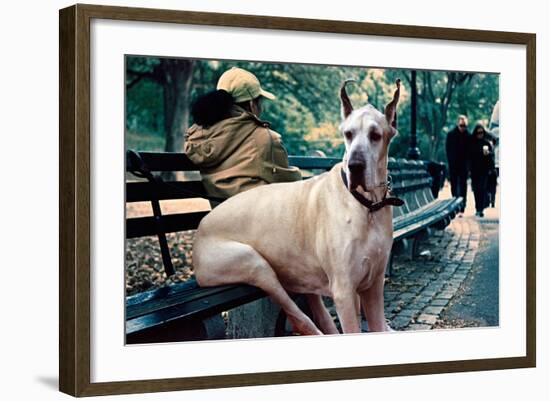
180,269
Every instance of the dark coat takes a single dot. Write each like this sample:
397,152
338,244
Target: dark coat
481,164
457,150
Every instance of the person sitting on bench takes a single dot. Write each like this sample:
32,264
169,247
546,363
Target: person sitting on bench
234,149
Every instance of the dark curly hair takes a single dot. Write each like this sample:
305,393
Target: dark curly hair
211,108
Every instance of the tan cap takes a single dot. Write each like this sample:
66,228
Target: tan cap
242,85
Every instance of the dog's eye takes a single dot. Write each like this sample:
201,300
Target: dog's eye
375,136
348,135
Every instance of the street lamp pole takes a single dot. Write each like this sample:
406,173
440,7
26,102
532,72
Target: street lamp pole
414,152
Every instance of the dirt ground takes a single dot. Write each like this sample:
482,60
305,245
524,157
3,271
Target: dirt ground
144,268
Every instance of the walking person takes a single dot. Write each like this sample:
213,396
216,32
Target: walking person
493,174
494,132
457,157
481,163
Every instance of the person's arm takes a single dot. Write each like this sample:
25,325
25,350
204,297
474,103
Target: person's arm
274,157
449,149
471,154
490,158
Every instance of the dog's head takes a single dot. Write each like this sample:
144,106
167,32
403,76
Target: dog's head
367,133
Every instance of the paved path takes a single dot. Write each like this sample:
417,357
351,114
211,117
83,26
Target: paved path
477,302
454,282
419,290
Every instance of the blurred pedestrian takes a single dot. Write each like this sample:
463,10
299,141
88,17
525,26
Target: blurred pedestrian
494,130
493,174
457,158
481,163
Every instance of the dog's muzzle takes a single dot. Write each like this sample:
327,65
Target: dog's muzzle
356,174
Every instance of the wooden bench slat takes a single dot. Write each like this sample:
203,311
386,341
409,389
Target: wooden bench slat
174,298
426,210
401,188
166,161
420,225
313,163
402,175
160,293
180,162
413,224
200,308
144,191
144,226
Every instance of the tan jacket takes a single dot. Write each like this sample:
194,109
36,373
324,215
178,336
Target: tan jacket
237,154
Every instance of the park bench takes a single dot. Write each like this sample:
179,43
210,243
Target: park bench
185,311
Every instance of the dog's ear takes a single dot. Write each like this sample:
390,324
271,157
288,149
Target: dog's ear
391,108
347,107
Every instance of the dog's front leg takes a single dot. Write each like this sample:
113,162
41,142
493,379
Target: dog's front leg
320,314
373,305
344,296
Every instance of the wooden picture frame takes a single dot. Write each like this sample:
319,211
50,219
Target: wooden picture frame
75,200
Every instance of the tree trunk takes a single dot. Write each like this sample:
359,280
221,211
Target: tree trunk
177,95
176,84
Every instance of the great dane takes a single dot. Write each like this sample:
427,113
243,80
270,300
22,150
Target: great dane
330,235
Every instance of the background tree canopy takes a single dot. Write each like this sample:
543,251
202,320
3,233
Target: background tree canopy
159,92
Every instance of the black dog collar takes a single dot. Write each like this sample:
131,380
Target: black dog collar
374,206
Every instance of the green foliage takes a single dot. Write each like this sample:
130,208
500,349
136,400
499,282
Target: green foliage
476,100
307,109
144,100
144,111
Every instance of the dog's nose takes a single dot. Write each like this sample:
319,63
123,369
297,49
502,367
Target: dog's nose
356,166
